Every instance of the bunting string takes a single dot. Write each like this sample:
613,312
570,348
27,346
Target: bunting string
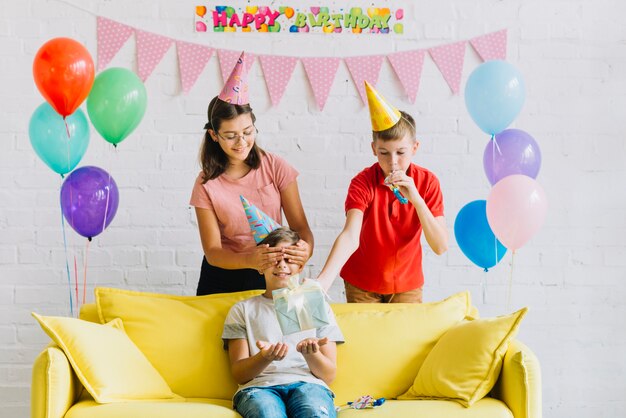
278,69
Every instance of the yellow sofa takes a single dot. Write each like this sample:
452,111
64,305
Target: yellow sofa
385,347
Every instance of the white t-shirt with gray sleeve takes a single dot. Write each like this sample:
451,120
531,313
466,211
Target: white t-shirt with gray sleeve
255,320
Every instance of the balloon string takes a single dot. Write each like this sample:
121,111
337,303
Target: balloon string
76,282
483,286
509,290
494,144
106,206
85,270
495,244
67,128
69,138
67,264
72,209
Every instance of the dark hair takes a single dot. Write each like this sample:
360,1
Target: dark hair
282,234
213,160
406,125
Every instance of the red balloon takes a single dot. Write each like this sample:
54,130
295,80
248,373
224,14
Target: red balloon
64,73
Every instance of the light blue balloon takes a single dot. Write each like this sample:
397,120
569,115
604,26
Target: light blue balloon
49,138
494,95
475,237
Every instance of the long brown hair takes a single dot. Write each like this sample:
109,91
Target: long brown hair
213,159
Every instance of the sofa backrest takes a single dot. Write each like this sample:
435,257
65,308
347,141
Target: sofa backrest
181,336
387,343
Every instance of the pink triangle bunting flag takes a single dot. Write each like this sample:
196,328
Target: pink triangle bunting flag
321,73
228,59
408,67
111,37
150,50
364,68
192,58
449,60
277,71
491,46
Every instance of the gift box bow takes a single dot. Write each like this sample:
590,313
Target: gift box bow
296,295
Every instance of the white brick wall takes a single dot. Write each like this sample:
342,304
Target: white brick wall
572,274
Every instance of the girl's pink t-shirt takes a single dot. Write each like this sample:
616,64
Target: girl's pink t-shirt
261,186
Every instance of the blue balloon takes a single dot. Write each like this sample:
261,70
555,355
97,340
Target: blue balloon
49,137
475,237
494,95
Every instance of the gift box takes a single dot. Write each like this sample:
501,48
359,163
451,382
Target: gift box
300,306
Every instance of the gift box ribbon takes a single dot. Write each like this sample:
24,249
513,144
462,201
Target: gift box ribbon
294,294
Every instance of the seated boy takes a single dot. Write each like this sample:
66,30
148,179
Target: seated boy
280,376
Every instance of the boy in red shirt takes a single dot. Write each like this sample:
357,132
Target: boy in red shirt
379,246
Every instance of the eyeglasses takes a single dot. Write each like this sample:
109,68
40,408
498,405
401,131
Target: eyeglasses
246,135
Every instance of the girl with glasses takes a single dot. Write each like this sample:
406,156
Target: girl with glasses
234,165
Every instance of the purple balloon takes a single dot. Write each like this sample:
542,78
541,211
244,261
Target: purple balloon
89,200
513,152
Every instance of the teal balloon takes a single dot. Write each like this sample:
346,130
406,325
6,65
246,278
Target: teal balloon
116,104
49,137
475,237
494,95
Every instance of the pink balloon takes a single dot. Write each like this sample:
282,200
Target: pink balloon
516,210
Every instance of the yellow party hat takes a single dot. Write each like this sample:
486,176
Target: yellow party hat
382,114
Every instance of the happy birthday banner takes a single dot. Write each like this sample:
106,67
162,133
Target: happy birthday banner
277,69
378,20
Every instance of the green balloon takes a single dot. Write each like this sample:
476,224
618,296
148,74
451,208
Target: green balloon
116,103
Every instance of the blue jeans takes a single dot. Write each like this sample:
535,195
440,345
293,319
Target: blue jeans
297,400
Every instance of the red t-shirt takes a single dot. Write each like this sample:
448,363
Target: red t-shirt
389,257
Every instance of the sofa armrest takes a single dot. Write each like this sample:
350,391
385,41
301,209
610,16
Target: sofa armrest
519,384
54,384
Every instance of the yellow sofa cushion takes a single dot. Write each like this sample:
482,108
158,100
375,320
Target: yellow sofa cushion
465,363
107,363
485,408
180,335
387,343
189,408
